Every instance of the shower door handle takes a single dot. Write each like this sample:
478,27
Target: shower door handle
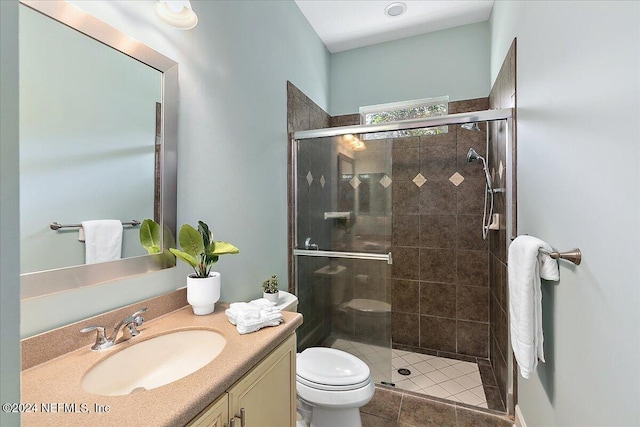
352,255
308,245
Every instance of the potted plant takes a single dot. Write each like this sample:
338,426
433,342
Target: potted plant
270,289
200,251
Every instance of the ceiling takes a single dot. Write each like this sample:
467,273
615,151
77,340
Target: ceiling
348,24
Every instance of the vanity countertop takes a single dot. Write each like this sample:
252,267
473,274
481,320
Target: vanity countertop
56,383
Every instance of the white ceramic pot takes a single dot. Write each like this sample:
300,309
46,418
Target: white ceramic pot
271,297
203,293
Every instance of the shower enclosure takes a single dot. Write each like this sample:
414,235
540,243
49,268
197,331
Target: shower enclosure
343,231
389,251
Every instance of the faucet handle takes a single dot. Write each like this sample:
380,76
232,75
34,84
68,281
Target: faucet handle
137,321
138,313
101,337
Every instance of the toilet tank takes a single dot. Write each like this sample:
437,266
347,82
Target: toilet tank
287,301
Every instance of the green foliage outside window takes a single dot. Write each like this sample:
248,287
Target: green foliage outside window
393,115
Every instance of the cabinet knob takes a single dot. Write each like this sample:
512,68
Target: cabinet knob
241,415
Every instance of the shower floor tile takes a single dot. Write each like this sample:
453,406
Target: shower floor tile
438,376
441,377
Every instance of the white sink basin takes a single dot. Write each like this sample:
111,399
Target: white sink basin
155,362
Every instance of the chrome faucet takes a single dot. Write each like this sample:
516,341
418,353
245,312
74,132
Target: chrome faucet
128,327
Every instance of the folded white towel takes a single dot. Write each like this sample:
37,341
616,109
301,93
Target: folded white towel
103,240
527,265
254,315
244,310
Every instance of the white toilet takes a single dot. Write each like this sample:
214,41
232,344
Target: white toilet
332,385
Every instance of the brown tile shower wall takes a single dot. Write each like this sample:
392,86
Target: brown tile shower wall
448,287
440,294
302,114
503,95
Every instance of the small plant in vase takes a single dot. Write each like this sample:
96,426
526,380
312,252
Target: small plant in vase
200,251
270,289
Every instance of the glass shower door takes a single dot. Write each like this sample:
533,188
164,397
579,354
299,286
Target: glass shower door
343,229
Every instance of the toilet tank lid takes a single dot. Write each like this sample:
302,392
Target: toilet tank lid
286,300
331,367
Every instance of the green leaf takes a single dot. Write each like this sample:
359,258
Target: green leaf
150,236
203,229
191,260
221,248
211,259
191,240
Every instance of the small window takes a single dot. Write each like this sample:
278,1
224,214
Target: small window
395,111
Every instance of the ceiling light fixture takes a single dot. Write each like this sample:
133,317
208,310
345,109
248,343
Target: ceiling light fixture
395,9
353,142
177,13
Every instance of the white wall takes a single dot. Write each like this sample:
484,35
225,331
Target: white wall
578,83
452,62
9,213
232,141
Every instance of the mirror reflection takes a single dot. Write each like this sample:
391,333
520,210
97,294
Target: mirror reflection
90,140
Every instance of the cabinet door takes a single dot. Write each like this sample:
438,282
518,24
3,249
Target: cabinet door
215,415
268,392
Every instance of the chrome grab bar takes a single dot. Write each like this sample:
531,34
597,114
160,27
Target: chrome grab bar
352,255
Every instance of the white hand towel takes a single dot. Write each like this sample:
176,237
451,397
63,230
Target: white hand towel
254,315
245,310
103,240
527,265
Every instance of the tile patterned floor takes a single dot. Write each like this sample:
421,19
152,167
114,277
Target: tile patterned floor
441,377
395,408
449,379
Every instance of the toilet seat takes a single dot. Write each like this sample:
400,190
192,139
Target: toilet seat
333,385
330,369
328,387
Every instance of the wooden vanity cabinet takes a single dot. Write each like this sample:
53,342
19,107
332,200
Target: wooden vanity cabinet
214,415
267,393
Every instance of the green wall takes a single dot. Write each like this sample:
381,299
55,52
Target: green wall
578,186
9,213
452,62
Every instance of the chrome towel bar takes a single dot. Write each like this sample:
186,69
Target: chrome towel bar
574,255
57,226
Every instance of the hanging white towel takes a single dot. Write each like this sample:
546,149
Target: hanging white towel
103,240
527,265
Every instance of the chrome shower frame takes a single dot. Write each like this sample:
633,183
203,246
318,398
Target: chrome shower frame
452,119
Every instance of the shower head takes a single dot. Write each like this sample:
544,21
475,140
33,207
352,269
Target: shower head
471,126
473,156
